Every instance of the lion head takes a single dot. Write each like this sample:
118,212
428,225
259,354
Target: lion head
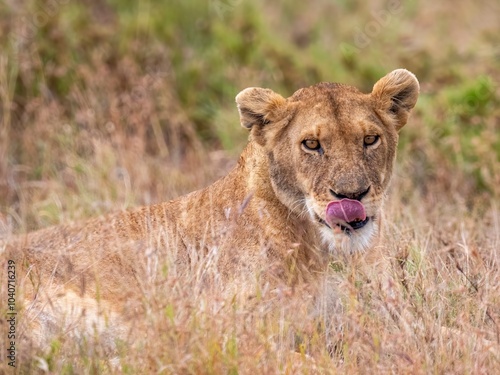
331,149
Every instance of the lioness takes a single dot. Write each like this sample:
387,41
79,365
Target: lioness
309,184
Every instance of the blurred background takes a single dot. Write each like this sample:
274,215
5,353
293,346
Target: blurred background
107,104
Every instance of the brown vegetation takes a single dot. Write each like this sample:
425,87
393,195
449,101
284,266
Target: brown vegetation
107,105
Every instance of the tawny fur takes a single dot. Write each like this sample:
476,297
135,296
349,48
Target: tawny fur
265,217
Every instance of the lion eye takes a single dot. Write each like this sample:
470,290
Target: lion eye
312,144
371,140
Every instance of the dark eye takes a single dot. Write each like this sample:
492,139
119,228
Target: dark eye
371,140
312,145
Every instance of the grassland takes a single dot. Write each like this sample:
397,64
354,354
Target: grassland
106,105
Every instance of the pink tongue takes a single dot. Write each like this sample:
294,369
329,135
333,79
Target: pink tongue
346,210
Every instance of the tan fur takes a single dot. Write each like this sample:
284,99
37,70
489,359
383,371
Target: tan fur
262,218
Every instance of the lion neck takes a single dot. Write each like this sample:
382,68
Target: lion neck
253,167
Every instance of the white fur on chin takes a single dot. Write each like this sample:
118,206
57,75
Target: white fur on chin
356,241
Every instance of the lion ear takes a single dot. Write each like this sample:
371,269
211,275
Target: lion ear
259,106
396,94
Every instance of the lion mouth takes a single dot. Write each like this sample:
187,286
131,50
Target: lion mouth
346,227
356,224
346,214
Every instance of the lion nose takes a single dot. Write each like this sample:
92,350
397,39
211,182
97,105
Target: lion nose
358,195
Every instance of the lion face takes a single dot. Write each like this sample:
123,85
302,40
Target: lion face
330,151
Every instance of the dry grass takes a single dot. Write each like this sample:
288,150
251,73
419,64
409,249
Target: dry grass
107,106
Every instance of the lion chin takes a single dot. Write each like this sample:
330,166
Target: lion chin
349,242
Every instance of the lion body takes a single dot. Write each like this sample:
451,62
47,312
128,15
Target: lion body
267,217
